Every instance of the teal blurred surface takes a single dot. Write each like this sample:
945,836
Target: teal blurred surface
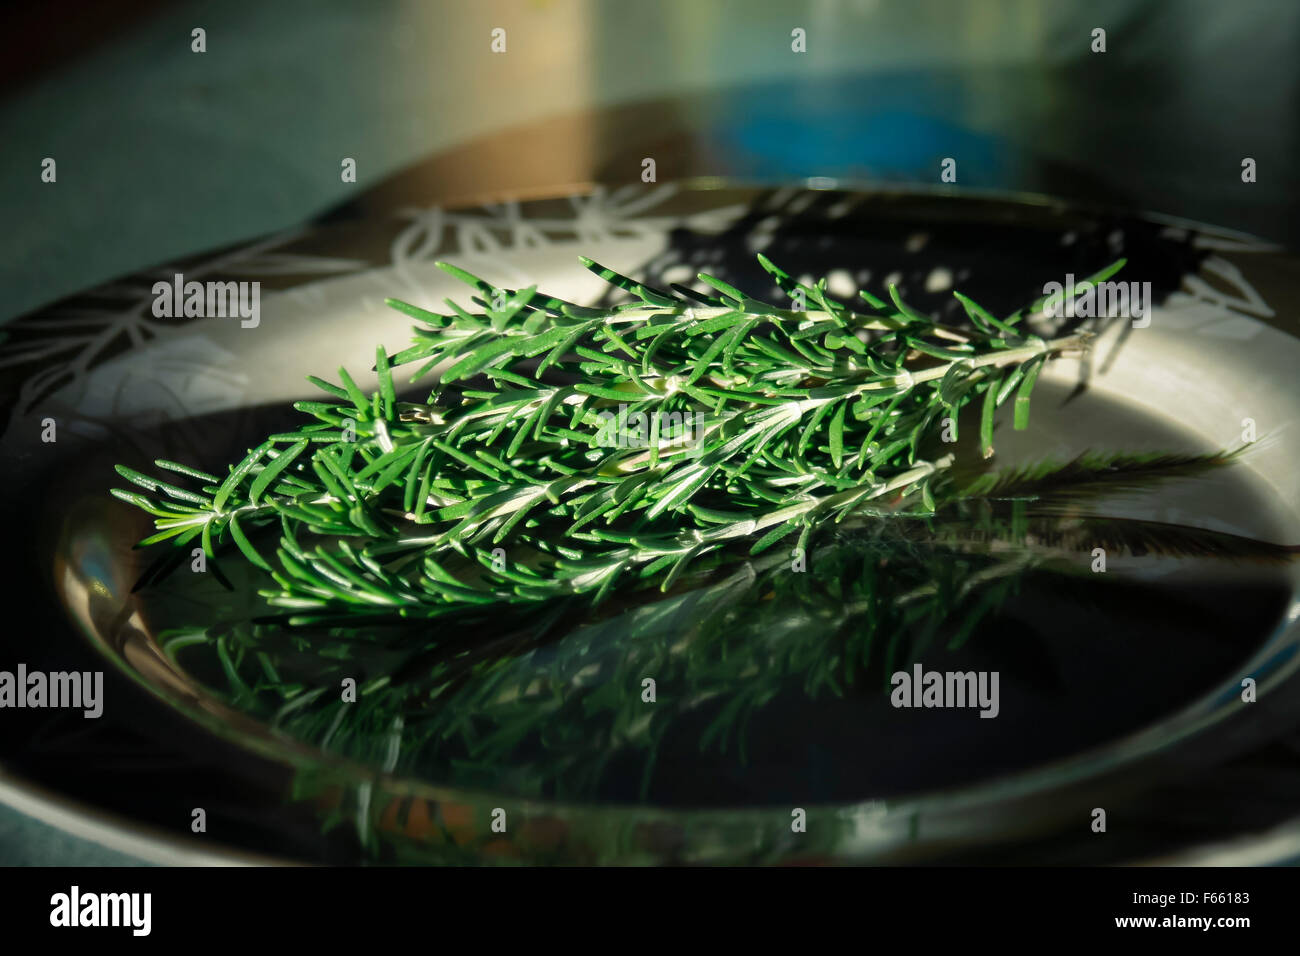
25,841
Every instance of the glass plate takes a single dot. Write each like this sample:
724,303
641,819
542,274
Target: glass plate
1099,711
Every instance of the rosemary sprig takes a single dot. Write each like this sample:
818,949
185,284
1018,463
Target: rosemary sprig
563,449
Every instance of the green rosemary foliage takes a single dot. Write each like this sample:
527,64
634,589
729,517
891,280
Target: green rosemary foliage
564,449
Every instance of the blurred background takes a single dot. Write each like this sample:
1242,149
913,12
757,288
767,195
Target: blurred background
163,152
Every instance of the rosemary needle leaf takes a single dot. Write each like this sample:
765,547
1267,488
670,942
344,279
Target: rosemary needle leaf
237,475
327,387
187,471
1021,416
246,546
268,474
645,293
986,419
837,435
729,292
386,392
906,309
354,393
415,312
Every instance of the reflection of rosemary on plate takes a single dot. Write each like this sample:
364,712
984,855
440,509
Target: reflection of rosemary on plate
565,449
